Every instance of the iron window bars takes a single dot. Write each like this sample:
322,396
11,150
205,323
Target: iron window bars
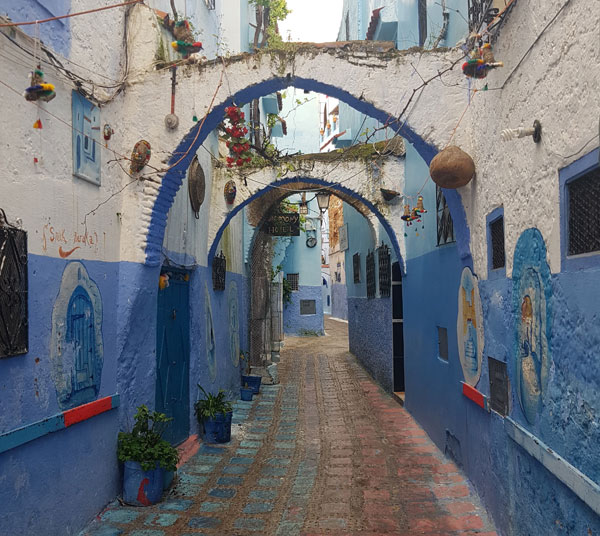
210,4
371,288
499,391
497,238
445,226
219,269
385,280
356,267
14,325
584,213
294,281
483,12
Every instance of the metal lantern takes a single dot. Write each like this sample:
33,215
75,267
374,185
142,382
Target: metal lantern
323,200
303,208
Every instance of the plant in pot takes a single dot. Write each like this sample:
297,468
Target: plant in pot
214,413
146,457
251,380
246,393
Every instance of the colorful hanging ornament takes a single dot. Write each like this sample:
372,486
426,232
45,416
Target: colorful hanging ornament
38,124
229,192
186,48
38,89
408,215
140,156
163,281
481,62
420,208
107,131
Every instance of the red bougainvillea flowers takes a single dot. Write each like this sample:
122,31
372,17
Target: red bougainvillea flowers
235,132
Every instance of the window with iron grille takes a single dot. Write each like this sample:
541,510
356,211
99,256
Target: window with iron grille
293,280
14,330
210,4
584,213
371,289
442,343
445,226
497,242
356,267
219,269
348,26
385,281
499,392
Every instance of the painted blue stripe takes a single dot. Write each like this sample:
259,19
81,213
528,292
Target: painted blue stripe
194,138
29,432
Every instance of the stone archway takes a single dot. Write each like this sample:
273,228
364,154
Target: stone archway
372,77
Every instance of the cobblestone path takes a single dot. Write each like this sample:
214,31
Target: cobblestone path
324,452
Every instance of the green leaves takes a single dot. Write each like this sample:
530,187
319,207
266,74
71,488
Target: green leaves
144,444
211,405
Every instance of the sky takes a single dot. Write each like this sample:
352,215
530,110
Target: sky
315,21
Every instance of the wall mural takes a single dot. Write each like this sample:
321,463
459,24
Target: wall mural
234,324
211,346
532,300
76,351
469,327
86,137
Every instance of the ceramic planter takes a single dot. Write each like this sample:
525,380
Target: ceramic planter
253,382
142,488
246,393
217,429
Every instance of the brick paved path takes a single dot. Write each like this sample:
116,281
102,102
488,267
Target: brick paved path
325,452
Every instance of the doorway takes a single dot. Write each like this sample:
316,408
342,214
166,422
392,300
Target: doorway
398,328
173,353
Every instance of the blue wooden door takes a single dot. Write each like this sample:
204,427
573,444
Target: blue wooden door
173,356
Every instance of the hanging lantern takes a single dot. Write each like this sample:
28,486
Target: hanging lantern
140,156
323,200
229,192
452,168
303,208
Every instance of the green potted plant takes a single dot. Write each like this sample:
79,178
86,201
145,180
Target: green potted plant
214,413
146,457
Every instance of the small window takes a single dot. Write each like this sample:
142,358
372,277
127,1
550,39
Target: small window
422,22
308,307
445,226
293,280
584,213
497,241
442,343
356,267
210,4
498,386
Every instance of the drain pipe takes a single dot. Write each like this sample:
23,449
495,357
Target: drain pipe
446,16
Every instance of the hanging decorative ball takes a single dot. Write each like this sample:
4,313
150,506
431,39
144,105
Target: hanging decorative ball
481,62
183,31
452,168
187,48
140,156
229,192
38,89
107,131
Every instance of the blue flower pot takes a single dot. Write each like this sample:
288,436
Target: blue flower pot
253,382
246,394
142,488
168,479
218,429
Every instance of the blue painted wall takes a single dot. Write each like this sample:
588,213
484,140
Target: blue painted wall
339,301
296,324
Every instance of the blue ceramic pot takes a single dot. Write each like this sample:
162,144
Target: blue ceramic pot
246,394
217,429
252,382
142,488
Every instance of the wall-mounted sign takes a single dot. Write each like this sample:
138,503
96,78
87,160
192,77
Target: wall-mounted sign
343,234
283,224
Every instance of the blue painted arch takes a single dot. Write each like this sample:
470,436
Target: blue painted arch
191,142
331,186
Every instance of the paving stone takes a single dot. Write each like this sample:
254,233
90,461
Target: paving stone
250,444
180,505
242,461
255,437
263,494
120,515
279,461
246,452
249,524
198,469
285,437
258,508
204,522
207,449
274,471
269,482
212,506
289,528
230,481
147,532
284,445
222,493
203,459
186,478
235,470
161,520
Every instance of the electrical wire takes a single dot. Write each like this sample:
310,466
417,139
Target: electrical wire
27,23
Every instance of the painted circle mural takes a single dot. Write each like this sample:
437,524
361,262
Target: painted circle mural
469,327
234,324
211,347
532,295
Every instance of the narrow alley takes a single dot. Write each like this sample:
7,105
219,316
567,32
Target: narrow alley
324,452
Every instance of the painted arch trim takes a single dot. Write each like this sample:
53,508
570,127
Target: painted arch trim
191,142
